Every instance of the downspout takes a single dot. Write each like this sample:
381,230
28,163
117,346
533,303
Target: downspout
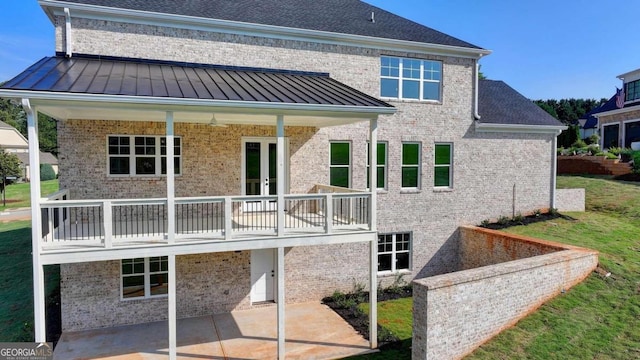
554,168
476,116
67,32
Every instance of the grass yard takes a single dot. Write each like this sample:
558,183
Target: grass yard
597,319
16,282
18,195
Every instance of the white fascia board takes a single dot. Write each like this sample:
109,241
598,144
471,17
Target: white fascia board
617,111
206,105
519,128
53,8
633,73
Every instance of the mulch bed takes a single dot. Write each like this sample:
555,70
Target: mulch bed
628,177
526,220
358,319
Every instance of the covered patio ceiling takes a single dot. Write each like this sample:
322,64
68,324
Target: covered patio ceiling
97,88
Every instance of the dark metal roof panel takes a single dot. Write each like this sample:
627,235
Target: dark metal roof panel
338,16
135,77
498,103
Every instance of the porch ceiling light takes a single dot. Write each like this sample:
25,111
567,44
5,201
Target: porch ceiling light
214,122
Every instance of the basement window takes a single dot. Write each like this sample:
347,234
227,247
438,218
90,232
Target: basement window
144,277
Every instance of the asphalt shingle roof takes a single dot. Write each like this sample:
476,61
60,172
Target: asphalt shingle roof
135,77
498,103
339,16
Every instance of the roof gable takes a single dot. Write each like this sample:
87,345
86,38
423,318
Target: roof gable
498,103
338,16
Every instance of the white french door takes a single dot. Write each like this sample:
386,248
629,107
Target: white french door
259,172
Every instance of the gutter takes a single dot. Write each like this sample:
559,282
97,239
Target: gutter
251,29
165,104
532,129
477,90
67,32
617,111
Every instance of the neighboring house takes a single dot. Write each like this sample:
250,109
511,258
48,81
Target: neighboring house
589,124
11,140
619,118
273,109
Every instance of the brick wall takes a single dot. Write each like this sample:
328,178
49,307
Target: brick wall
455,313
486,166
595,165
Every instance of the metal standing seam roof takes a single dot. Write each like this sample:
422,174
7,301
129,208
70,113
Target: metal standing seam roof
498,103
337,16
134,77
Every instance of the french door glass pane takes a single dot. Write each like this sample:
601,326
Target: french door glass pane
252,168
273,170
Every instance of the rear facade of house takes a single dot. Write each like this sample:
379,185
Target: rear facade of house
258,185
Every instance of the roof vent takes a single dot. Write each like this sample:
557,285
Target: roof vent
373,17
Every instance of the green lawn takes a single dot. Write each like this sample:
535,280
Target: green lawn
18,194
16,282
597,319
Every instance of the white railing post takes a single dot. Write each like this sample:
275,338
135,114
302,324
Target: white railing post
373,246
280,173
171,189
328,213
51,224
228,217
107,222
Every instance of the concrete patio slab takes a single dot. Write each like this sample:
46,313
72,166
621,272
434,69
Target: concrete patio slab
313,331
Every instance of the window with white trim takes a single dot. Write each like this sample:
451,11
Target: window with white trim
381,168
394,252
340,164
632,90
133,155
410,165
403,78
144,277
443,176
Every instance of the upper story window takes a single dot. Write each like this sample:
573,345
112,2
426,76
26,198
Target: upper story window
410,165
443,162
141,155
632,90
403,78
340,164
381,168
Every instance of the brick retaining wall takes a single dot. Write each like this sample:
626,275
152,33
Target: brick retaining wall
457,312
596,165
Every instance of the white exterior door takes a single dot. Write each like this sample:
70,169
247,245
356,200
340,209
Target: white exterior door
259,172
263,275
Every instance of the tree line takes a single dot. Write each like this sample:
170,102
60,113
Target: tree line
568,111
14,115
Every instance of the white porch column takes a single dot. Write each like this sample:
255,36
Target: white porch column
36,223
172,308
373,246
171,190
281,303
280,172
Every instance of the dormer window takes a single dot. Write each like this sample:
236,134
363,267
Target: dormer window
410,79
632,90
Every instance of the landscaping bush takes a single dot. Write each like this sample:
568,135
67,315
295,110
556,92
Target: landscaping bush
578,144
611,156
46,172
635,156
593,139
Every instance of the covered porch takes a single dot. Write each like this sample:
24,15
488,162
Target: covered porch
313,331
260,215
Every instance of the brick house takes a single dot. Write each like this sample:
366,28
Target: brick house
618,119
273,116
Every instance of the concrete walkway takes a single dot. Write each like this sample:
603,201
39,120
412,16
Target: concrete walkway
313,331
15,214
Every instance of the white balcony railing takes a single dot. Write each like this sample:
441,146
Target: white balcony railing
117,222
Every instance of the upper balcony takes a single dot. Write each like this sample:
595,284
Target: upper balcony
106,228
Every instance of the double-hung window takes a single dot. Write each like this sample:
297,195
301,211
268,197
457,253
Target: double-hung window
144,277
632,90
403,78
410,165
443,176
394,252
141,155
340,164
381,165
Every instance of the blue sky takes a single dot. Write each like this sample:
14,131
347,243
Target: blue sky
544,48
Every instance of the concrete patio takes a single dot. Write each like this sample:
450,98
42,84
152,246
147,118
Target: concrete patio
314,331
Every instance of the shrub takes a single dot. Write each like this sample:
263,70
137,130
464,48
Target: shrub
579,144
518,218
635,156
46,172
485,223
537,212
615,150
593,139
503,220
611,156
594,148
